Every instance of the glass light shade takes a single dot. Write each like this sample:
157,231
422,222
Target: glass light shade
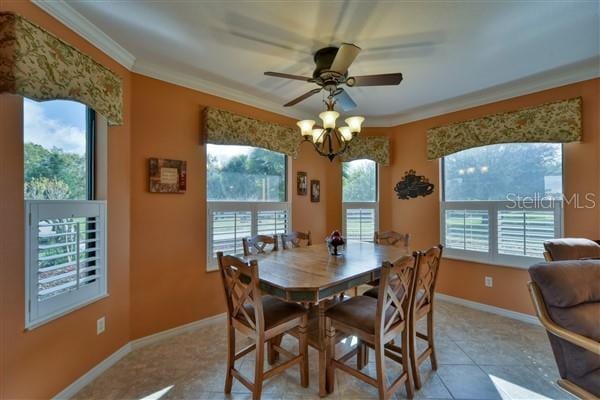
317,135
329,118
354,123
306,126
346,133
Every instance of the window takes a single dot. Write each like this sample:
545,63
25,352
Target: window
58,150
66,243
247,195
360,207
501,202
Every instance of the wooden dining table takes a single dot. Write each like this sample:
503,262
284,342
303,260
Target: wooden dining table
311,276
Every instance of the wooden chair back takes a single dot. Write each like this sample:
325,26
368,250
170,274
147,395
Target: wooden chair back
426,278
295,239
242,290
257,244
392,238
396,286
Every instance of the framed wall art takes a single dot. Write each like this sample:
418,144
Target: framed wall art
167,176
315,191
302,183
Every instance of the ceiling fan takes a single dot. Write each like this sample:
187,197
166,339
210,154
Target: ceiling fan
331,72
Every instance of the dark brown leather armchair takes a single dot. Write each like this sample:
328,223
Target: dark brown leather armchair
571,249
566,297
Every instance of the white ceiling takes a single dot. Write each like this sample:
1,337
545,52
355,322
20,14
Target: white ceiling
447,51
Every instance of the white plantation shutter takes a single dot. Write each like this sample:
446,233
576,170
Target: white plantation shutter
360,221
229,222
229,227
272,222
523,232
467,230
66,256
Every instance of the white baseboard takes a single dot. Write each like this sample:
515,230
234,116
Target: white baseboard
157,337
530,319
93,373
111,360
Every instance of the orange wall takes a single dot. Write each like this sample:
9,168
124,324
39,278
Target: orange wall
42,362
421,217
157,243
169,282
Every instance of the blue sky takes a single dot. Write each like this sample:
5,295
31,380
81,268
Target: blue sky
57,123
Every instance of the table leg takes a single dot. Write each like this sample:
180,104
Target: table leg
322,352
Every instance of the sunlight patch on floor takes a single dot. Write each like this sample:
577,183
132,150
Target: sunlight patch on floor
509,390
158,394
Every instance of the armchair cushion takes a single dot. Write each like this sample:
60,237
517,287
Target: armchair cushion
571,292
572,249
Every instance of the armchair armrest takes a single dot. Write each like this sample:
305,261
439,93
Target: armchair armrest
555,329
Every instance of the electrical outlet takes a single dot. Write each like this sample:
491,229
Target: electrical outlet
489,281
100,325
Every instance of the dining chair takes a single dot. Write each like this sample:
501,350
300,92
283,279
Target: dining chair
376,322
295,239
392,238
422,307
257,244
389,238
260,318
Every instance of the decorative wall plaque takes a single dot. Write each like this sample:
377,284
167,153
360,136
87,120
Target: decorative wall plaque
167,176
315,191
413,185
302,183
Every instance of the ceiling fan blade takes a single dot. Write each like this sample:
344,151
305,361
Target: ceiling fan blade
375,80
345,101
344,57
302,98
288,76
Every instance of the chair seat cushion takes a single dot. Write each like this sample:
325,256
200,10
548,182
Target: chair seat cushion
359,312
373,292
276,311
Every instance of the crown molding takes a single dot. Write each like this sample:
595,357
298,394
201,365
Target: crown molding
572,73
63,12
577,72
215,89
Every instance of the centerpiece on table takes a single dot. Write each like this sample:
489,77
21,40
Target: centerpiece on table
335,243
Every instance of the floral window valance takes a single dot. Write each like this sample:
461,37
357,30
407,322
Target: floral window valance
224,127
557,122
376,148
36,64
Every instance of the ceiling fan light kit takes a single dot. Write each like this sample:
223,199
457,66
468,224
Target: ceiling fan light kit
329,140
331,71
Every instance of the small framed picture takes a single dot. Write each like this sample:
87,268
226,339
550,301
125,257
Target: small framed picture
315,191
302,183
167,176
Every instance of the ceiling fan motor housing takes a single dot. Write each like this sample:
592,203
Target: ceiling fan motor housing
323,60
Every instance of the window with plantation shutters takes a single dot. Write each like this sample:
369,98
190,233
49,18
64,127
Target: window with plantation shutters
247,192
501,202
65,256
360,200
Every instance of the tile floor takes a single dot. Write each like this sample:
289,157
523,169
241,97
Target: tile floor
480,355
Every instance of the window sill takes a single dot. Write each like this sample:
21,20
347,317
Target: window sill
36,324
505,264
